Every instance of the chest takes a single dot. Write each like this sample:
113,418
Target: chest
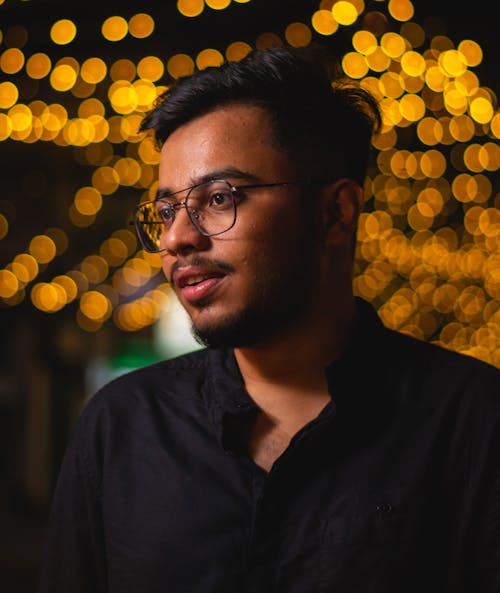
267,446
323,518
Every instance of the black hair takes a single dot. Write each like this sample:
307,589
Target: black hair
322,119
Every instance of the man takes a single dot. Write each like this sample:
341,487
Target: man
307,448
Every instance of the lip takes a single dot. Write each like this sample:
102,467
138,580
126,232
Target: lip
207,281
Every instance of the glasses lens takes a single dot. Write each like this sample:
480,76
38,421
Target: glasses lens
211,207
149,226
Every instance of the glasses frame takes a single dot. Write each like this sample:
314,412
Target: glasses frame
234,189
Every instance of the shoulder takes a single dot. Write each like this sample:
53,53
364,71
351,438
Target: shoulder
179,379
438,378
435,358
418,363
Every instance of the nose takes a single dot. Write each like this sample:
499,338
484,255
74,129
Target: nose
182,237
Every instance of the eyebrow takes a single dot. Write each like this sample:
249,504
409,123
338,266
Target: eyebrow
227,172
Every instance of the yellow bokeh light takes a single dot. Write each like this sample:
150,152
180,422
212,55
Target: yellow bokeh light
114,28
218,4
393,44
481,110
148,151
68,285
413,63
95,305
150,68
42,248
88,200
8,94
48,297
9,284
38,65
324,23
5,126
412,107
209,57
378,60
63,77
452,62
344,12
180,65
354,65
4,226
12,60
59,237
93,70
237,50
63,32
114,251
364,42
401,10
128,238
90,107
128,170
436,79
141,25
30,265
462,128
467,83
433,164
123,97
392,84
471,51
78,219
267,40
489,222
190,8
123,69
298,34
95,268
105,180
21,117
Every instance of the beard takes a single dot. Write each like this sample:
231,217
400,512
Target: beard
243,329
279,303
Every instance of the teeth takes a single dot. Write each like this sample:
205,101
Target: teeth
193,281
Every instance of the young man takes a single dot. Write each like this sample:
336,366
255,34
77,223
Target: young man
307,448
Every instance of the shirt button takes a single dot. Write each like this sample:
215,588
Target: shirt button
385,508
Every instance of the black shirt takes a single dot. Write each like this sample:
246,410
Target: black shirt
393,488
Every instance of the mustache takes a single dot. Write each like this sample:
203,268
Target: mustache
199,261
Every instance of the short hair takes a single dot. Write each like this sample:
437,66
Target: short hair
322,119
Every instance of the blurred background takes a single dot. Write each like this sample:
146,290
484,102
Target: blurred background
81,303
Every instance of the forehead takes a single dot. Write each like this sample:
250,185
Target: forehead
236,136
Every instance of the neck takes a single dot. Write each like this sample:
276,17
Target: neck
291,366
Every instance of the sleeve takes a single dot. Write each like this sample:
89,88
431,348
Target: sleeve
74,554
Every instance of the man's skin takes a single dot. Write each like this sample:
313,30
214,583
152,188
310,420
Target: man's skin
285,267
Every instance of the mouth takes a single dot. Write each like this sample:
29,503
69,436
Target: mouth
197,285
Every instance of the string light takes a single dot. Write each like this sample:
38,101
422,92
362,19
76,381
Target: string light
425,276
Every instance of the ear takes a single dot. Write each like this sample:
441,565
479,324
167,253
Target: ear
342,203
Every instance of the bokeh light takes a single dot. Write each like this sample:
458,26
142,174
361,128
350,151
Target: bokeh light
428,244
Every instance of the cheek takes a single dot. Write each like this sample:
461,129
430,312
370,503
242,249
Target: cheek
167,262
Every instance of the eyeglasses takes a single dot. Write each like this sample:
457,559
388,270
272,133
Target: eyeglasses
211,207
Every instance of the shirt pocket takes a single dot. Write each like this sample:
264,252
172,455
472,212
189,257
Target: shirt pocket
360,544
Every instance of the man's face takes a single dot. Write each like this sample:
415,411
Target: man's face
256,279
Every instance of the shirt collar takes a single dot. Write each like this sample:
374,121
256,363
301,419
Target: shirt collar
351,378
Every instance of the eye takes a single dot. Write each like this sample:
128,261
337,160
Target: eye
220,200
165,211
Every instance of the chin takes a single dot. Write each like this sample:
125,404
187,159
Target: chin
242,330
